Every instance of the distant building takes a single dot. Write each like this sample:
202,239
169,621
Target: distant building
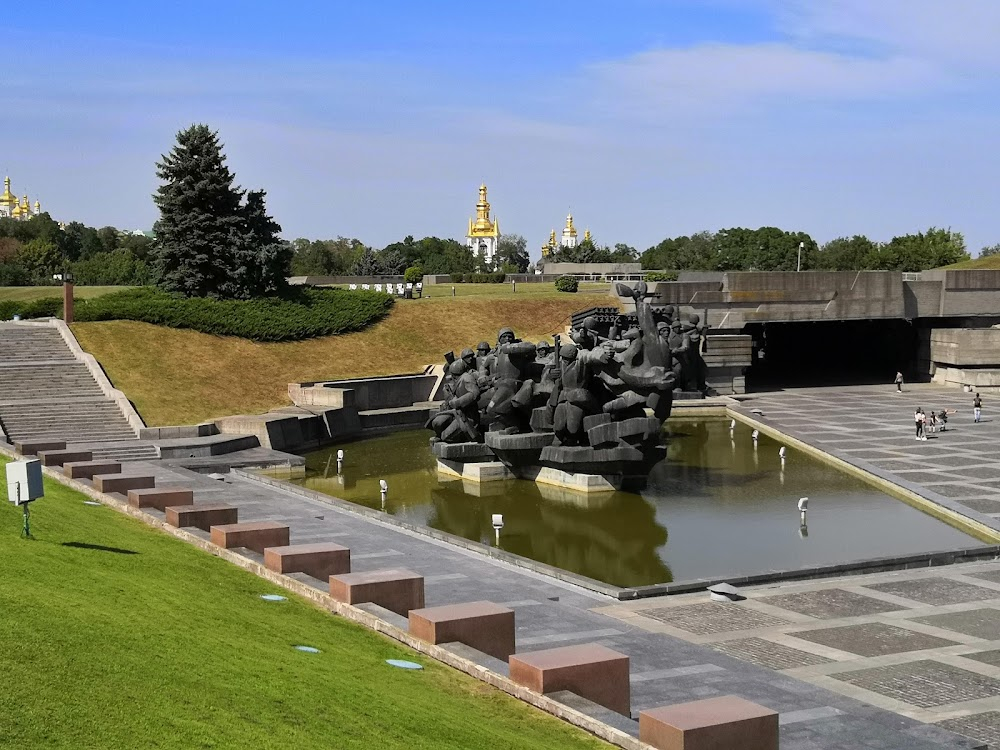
569,235
10,207
484,231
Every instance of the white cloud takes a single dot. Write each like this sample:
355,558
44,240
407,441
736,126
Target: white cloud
719,78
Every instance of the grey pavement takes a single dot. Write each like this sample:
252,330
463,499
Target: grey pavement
668,664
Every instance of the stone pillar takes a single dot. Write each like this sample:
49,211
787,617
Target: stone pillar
68,302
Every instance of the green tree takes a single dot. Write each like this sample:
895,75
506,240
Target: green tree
367,264
40,259
857,253
917,252
201,222
694,253
262,260
512,251
989,250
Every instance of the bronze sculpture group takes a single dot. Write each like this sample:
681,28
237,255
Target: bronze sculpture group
593,404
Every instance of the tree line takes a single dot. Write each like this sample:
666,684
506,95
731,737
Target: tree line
216,239
773,249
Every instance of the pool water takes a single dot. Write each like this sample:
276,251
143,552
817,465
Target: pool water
717,506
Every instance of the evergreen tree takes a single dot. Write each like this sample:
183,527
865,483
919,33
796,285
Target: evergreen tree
201,222
262,261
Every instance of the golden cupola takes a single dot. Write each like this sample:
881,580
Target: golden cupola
38,207
586,236
570,229
483,225
8,200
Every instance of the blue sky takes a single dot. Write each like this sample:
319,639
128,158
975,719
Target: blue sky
646,118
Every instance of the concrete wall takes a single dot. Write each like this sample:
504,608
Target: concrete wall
965,347
732,300
366,393
331,280
596,269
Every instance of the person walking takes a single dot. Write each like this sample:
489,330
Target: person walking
918,421
899,382
943,417
932,423
977,408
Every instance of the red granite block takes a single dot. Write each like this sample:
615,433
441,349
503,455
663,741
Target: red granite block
485,626
724,723
160,497
320,560
396,589
203,516
592,671
255,535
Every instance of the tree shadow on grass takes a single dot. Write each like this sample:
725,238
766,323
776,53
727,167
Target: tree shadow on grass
99,548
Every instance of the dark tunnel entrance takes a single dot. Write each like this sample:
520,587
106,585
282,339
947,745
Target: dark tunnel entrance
850,352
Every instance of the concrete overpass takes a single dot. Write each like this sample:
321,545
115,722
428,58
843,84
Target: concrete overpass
845,325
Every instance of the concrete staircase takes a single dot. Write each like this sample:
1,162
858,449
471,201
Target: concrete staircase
46,392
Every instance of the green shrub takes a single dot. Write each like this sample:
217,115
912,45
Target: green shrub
45,307
567,284
413,275
300,313
661,276
457,278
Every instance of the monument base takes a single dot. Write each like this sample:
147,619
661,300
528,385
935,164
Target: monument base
476,471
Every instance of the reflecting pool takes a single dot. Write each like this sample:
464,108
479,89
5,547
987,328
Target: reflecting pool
716,506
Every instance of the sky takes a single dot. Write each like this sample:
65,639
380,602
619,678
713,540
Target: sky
644,118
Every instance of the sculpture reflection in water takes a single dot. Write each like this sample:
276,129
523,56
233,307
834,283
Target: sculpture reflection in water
594,405
611,536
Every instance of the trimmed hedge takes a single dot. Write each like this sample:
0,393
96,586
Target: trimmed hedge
45,307
301,313
567,284
661,276
497,277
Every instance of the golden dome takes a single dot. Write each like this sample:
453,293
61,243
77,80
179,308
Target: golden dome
570,229
8,198
586,236
483,226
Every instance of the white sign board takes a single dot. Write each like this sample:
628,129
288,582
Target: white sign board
24,481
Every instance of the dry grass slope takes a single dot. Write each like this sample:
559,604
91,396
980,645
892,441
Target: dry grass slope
183,377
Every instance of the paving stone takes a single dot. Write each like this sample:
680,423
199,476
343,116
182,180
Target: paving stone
993,576
894,465
959,489
983,483
873,639
986,657
984,727
713,617
924,683
957,461
829,604
936,591
980,472
769,654
979,623
981,504
927,477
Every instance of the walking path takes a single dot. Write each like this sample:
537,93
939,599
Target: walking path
872,428
670,663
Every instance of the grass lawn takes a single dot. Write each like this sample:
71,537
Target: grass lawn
989,263
183,377
116,635
27,293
